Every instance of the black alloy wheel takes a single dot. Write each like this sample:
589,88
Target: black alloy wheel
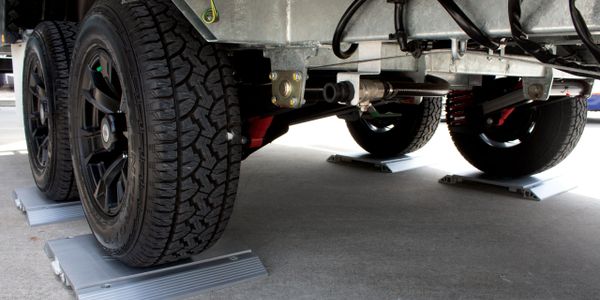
400,128
103,133
37,115
45,108
522,140
155,130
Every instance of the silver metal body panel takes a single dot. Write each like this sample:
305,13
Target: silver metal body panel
440,62
80,264
388,165
538,187
284,28
284,22
42,211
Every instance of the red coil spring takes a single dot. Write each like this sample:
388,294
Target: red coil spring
456,104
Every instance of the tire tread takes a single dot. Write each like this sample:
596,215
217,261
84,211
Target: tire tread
190,106
58,37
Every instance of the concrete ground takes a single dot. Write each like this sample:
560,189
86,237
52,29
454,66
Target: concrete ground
327,231
7,96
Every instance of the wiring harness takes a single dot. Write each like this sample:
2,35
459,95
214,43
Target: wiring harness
519,36
543,54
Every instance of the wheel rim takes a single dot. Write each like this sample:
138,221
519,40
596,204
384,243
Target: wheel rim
388,119
103,134
37,115
519,126
377,127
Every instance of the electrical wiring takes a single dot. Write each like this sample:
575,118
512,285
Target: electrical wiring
467,25
341,27
583,31
539,52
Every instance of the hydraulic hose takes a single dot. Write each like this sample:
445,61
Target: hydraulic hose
341,27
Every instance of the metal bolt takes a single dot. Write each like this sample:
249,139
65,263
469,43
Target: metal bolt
489,121
297,76
273,76
274,100
535,91
293,101
285,88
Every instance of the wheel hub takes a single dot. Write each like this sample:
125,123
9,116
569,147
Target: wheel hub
109,132
42,110
105,131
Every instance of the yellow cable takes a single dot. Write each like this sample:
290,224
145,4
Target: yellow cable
211,15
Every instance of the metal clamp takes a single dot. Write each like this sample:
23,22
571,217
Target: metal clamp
369,57
458,48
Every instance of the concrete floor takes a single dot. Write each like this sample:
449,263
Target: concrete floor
329,231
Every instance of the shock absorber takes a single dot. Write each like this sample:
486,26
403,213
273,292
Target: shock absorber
370,90
456,105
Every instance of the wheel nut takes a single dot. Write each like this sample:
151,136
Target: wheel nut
273,76
274,100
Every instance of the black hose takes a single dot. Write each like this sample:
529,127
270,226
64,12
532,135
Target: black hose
339,31
583,31
540,53
400,34
467,25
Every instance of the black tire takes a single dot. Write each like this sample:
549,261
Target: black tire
533,138
386,137
172,154
45,107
